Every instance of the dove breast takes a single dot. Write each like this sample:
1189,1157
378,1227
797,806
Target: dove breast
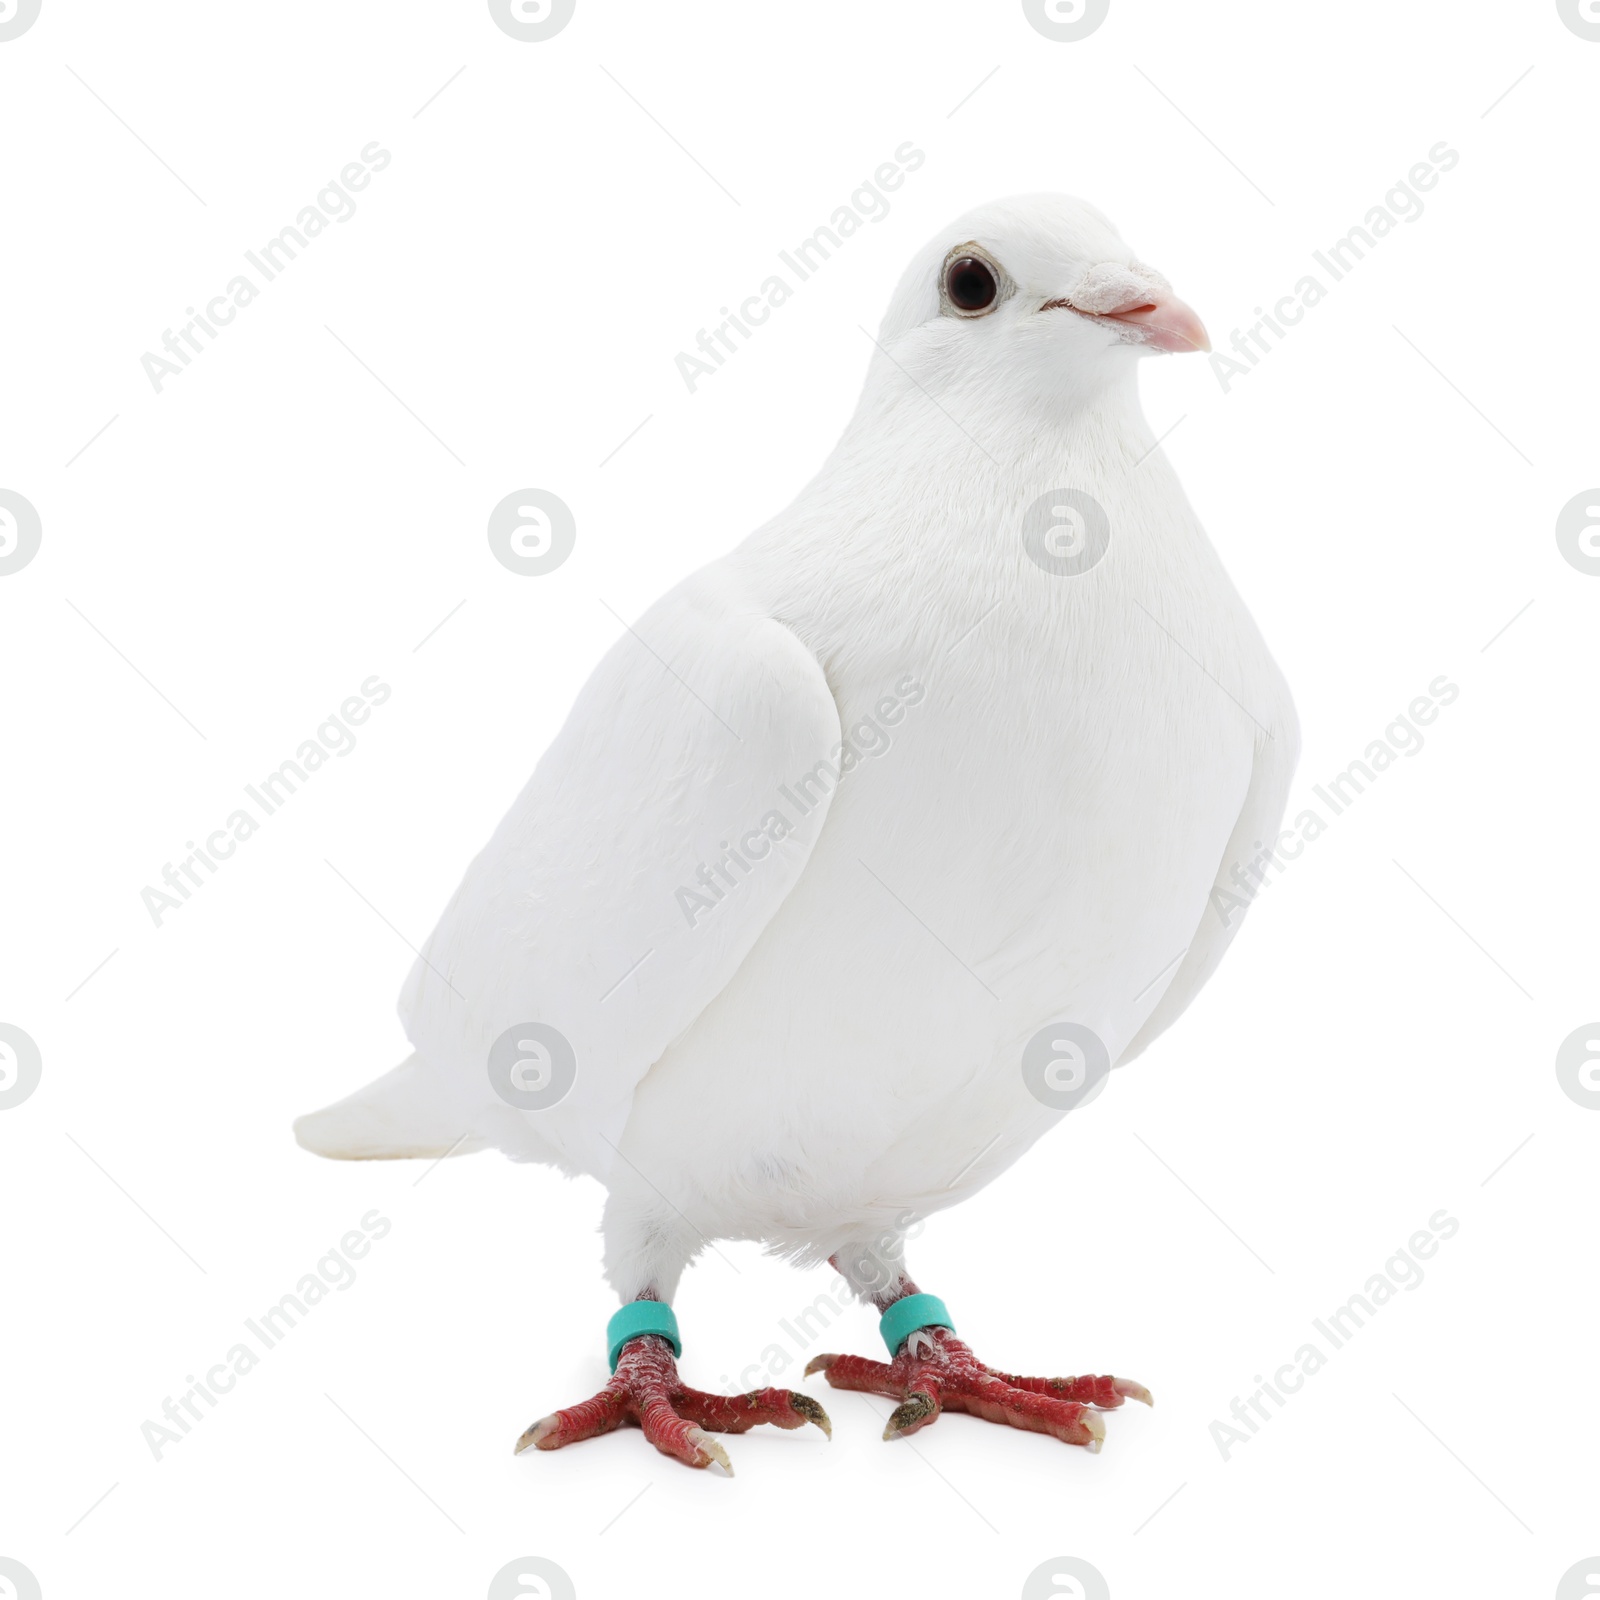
1037,839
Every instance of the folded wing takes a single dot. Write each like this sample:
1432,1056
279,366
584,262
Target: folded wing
631,877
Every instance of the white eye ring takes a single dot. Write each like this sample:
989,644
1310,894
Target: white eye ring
957,286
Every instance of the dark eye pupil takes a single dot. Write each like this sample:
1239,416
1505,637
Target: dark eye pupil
970,284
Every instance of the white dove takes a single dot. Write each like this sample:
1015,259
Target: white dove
875,844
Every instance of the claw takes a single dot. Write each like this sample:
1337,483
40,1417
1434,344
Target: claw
819,1364
677,1420
917,1408
953,1379
812,1412
703,1442
536,1432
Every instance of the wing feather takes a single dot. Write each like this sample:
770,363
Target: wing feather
1259,819
634,872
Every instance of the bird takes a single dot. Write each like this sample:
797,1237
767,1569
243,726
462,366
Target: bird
870,848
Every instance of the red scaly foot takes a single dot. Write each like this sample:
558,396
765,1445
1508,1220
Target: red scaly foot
935,1372
677,1420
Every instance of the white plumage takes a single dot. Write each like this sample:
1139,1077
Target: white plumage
1045,777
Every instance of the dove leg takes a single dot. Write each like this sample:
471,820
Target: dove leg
934,1371
645,1257
679,1421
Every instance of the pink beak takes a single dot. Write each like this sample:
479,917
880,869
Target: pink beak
1167,324
1141,302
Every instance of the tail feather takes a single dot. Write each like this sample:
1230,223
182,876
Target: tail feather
409,1111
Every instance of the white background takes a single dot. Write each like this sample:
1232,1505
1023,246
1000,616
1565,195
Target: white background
229,559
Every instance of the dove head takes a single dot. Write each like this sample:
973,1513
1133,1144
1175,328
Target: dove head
1037,298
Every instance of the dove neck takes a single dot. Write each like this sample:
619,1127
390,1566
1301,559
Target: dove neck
916,438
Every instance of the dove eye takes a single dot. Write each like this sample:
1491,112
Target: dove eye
970,285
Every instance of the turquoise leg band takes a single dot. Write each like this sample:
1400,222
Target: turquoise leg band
904,1317
643,1316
